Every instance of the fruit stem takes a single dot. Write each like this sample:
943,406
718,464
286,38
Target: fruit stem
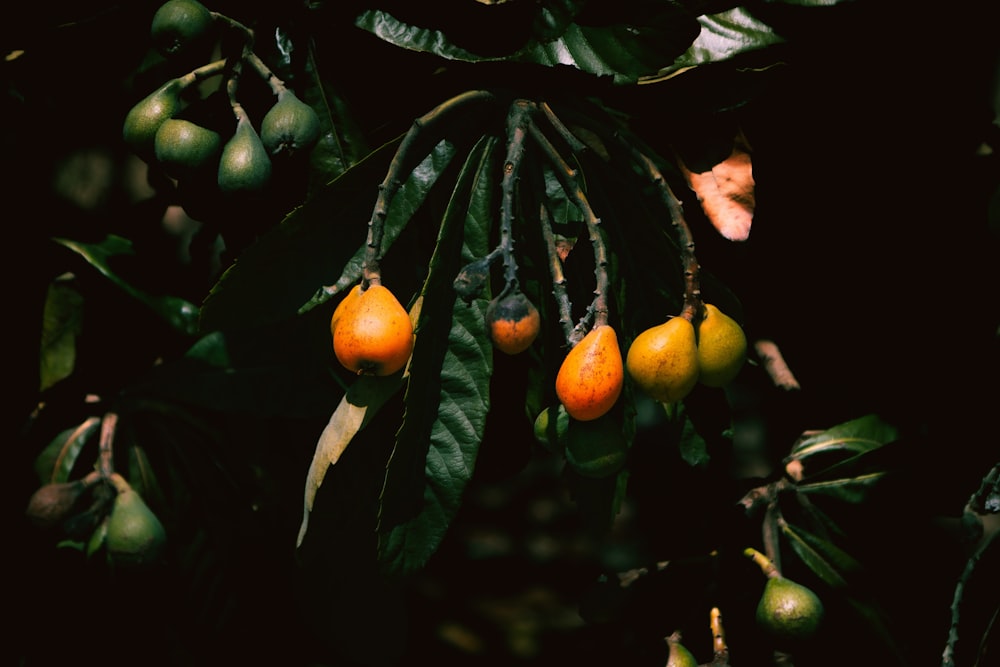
762,561
693,309
719,648
518,119
105,451
567,176
558,278
270,78
418,141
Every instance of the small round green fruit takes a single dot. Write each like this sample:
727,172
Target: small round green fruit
789,611
595,448
134,535
290,126
184,148
244,165
145,118
179,25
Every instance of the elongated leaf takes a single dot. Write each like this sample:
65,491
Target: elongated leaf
56,462
356,408
448,396
852,437
841,571
60,327
623,47
282,270
182,315
852,490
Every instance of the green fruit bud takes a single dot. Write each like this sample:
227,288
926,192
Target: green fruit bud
178,25
290,126
146,117
551,432
679,655
244,165
184,148
595,448
134,535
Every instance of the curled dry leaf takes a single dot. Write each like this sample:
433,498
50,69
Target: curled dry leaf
726,191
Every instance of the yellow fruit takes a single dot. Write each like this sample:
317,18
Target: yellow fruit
590,378
373,334
663,360
514,322
722,348
595,448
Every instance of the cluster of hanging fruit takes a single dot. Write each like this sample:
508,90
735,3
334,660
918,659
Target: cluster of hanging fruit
238,158
105,513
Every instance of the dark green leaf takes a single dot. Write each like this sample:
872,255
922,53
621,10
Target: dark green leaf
60,327
282,270
182,315
853,437
624,47
852,490
448,393
842,572
723,36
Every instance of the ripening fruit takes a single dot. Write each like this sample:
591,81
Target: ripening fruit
722,348
289,126
514,322
591,376
373,334
244,165
51,503
184,148
145,118
595,448
663,360
178,25
134,535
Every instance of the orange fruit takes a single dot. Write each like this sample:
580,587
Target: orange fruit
514,322
349,299
590,378
372,333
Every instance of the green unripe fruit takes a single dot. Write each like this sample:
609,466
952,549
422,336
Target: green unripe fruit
134,535
289,126
244,165
550,432
145,118
595,448
184,148
789,611
178,25
679,655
